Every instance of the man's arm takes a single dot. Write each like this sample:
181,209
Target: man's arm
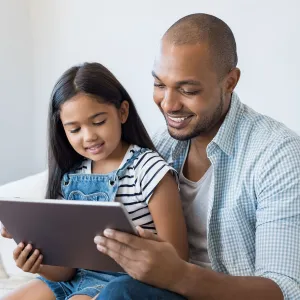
153,261
277,239
200,283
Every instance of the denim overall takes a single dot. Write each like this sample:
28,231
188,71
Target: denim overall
95,187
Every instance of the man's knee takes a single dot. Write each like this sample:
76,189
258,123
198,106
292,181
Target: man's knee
125,287
117,288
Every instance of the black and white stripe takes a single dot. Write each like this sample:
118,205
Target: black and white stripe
138,183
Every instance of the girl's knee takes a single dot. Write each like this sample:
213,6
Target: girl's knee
81,297
33,290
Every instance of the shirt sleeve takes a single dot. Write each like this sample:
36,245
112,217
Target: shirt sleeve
278,217
151,169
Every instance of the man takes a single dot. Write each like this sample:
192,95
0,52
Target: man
239,175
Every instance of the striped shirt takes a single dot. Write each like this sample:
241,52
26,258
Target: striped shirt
137,184
253,223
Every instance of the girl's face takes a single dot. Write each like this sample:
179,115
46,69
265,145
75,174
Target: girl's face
93,128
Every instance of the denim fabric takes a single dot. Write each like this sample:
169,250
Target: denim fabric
85,282
94,187
126,288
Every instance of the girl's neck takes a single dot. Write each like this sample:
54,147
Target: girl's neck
112,162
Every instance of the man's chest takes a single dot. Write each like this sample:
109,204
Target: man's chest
230,210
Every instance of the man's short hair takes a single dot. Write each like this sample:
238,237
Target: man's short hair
203,28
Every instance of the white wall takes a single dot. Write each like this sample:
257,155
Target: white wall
123,35
16,97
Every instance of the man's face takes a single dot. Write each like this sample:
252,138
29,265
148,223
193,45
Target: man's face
188,91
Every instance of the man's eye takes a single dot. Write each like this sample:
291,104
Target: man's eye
75,130
99,123
159,85
190,93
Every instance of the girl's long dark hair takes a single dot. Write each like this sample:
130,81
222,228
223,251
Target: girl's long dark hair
95,80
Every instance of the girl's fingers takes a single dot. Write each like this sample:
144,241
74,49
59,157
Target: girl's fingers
18,251
36,267
21,260
29,263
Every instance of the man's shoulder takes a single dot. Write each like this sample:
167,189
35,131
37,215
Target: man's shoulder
264,130
245,127
163,142
261,139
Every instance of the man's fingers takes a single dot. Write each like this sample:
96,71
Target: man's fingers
117,247
125,238
147,234
123,261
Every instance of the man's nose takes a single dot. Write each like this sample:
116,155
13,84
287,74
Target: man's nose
171,101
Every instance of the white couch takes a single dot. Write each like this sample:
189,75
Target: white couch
30,187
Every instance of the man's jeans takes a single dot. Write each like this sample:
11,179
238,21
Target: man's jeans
127,288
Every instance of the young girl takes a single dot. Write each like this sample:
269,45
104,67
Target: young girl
99,150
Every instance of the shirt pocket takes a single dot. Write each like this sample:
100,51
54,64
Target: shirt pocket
234,239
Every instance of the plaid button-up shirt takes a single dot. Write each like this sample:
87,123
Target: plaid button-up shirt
253,225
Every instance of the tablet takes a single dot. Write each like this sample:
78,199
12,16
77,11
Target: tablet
64,230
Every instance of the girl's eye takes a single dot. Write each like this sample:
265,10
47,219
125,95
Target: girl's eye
99,123
75,130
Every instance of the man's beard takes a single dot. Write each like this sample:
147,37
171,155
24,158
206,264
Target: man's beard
206,124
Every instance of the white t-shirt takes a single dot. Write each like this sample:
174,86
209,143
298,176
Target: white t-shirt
138,183
195,197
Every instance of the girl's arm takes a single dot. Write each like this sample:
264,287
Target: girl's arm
166,210
54,273
32,263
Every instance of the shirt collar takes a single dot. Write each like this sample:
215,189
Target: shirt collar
225,137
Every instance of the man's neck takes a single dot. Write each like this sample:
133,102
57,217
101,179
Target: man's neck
197,162
200,142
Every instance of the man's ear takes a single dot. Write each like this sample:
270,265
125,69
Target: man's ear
231,80
124,111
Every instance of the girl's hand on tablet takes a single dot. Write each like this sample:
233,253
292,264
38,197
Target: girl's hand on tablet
4,232
30,263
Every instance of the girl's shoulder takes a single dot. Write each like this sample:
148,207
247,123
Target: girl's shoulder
144,159
141,153
84,167
148,169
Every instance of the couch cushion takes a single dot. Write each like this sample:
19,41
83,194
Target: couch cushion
30,187
3,274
